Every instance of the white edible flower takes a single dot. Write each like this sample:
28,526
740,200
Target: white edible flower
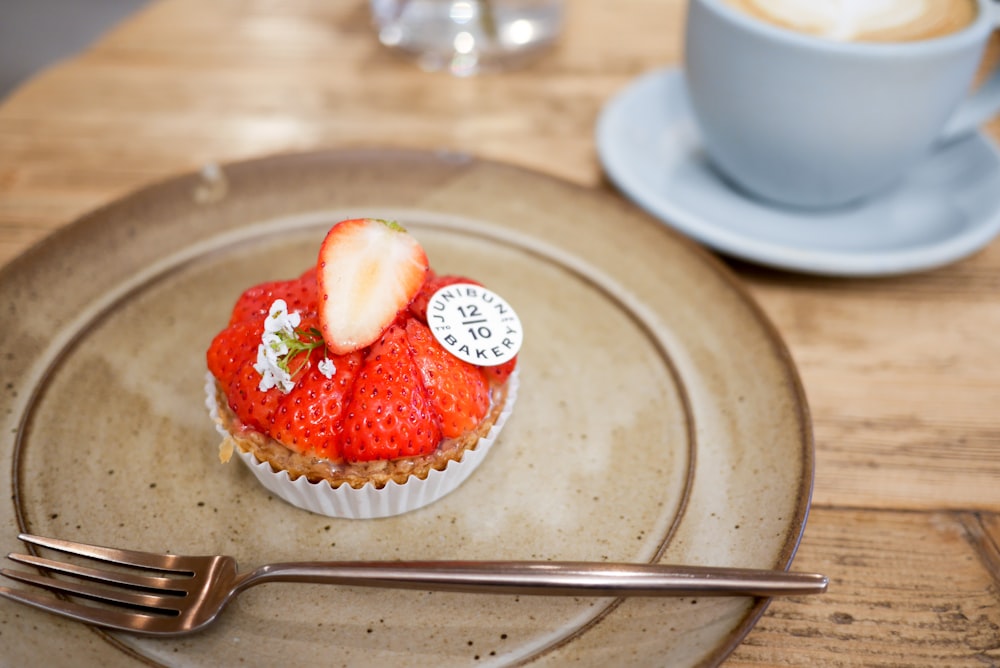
271,373
280,320
327,367
275,345
279,343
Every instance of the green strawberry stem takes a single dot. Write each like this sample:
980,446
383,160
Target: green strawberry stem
391,224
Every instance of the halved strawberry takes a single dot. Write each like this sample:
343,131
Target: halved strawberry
232,348
456,390
369,271
307,419
254,408
300,294
499,374
231,358
388,415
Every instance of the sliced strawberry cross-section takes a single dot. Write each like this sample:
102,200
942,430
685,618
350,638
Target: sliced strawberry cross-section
368,271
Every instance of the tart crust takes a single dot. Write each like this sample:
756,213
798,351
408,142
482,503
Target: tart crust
315,469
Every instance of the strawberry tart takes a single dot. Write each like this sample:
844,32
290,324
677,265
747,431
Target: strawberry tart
334,390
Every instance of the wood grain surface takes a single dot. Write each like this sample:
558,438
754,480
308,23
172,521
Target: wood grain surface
902,374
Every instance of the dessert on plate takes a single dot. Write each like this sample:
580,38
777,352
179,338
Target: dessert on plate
336,392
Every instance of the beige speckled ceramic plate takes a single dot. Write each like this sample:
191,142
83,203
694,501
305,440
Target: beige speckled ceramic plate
660,418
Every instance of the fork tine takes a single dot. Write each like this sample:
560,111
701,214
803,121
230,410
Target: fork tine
160,562
96,592
165,585
121,620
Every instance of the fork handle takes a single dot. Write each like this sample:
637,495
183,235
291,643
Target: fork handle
552,578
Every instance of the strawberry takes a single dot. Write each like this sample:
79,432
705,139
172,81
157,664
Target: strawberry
309,274
300,295
231,358
388,415
308,417
456,390
433,283
418,309
498,375
231,348
254,408
369,271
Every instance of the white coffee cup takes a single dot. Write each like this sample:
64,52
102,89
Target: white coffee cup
808,121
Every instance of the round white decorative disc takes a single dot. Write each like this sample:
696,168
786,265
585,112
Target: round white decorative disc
474,324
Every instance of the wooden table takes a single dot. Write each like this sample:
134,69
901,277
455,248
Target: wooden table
902,374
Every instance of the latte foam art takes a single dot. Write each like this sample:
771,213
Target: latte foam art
857,20
845,19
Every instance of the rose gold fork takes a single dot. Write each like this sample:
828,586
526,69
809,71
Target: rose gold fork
186,593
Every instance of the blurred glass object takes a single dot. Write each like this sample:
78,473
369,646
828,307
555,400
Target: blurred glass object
466,37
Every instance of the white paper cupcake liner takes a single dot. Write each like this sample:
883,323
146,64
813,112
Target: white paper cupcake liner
369,502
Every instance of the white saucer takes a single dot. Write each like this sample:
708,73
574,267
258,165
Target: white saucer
946,208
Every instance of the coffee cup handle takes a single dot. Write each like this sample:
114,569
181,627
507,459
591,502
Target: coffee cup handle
981,105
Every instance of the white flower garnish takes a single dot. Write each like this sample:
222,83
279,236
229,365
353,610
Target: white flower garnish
281,342
280,320
271,374
327,367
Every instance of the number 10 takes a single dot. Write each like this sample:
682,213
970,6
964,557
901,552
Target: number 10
481,332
